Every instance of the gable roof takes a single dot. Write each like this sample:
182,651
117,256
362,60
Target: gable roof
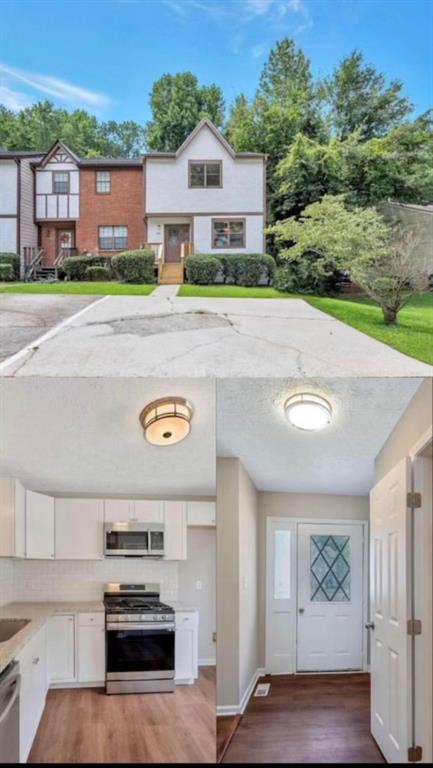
123,162
205,122
52,151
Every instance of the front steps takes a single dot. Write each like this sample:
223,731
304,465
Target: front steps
171,274
46,272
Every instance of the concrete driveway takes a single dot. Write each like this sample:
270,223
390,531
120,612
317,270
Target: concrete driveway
25,317
163,335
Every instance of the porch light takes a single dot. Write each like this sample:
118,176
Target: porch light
308,412
166,421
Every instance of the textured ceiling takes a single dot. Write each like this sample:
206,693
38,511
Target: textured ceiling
83,435
338,460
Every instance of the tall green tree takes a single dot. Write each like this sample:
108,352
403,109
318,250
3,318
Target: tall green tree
39,126
178,102
359,99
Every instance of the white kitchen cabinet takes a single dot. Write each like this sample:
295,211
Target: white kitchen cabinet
117,510
186,647
91,648
147,511
12,518
34,684
201,513
79,529
175,530
39,526
61,649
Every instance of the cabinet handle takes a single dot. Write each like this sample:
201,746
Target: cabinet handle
36,660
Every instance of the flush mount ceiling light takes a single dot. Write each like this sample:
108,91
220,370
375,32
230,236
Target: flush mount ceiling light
166,421
308,412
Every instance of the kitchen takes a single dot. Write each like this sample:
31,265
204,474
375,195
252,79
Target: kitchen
107,598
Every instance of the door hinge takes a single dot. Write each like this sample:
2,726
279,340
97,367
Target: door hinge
414,627
414,754
414,500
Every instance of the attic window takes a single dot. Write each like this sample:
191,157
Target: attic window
205,173
60,182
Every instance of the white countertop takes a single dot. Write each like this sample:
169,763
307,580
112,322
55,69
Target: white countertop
179,606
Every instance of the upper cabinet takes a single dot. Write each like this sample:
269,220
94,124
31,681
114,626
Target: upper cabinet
201,513
133,511
175,530
39,526
79,529
12,518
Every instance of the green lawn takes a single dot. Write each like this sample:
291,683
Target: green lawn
412,336
232,292
80,288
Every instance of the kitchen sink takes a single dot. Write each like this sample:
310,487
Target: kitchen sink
10,627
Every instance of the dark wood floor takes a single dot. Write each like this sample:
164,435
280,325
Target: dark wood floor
307,719
83,725
226,727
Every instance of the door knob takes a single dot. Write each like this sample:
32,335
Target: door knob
370,625
301,610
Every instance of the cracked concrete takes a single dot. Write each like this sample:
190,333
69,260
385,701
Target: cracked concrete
165,335
25,317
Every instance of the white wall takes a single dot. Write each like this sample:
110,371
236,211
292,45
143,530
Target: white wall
248,581
155,226
50,205
201,566
167,188
8,235
8,187
37,580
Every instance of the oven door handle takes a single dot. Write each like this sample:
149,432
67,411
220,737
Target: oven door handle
149,627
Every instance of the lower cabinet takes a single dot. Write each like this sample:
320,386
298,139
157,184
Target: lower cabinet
61,649
34,685
91,648
186,647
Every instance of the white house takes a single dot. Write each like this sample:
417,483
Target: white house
17,225
205,194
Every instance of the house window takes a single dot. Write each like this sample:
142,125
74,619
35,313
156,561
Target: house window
228,233
61,182
113,238
103,182
205,174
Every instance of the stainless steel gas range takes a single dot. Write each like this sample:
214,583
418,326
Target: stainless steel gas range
140,633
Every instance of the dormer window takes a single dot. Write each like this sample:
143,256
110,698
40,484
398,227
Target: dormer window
205,173
60,182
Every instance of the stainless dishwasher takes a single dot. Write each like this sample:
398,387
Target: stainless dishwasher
10,682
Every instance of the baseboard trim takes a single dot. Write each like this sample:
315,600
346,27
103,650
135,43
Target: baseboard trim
207,662
239,709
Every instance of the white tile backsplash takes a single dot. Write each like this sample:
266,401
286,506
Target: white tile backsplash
6,581
41,580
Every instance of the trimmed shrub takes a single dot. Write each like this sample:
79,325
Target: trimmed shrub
202,269
98,273
300,277
6,272
247,268
14,260
75,267
135,266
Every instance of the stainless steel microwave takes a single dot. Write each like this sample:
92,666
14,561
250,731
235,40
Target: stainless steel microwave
133,540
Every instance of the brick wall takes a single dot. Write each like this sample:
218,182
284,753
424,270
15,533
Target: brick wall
124,206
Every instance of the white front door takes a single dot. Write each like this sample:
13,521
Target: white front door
389,610
330,597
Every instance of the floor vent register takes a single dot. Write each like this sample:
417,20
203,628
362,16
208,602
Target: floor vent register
262,689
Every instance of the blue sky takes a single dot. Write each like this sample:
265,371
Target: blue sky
104,55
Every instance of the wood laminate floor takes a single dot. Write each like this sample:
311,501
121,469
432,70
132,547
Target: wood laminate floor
307,719
226,727
84,725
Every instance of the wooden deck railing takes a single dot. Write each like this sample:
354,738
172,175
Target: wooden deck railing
32,260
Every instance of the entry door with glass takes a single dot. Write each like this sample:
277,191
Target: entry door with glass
175,235
330,597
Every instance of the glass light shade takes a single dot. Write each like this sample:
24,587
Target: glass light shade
166,421
308,412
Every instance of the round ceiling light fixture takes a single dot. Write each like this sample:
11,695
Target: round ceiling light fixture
308,412
166,421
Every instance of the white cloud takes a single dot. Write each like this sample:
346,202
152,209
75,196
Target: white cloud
57,88
259,7
14,100
258,50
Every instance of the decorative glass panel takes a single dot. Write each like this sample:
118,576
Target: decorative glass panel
330,569
282,565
